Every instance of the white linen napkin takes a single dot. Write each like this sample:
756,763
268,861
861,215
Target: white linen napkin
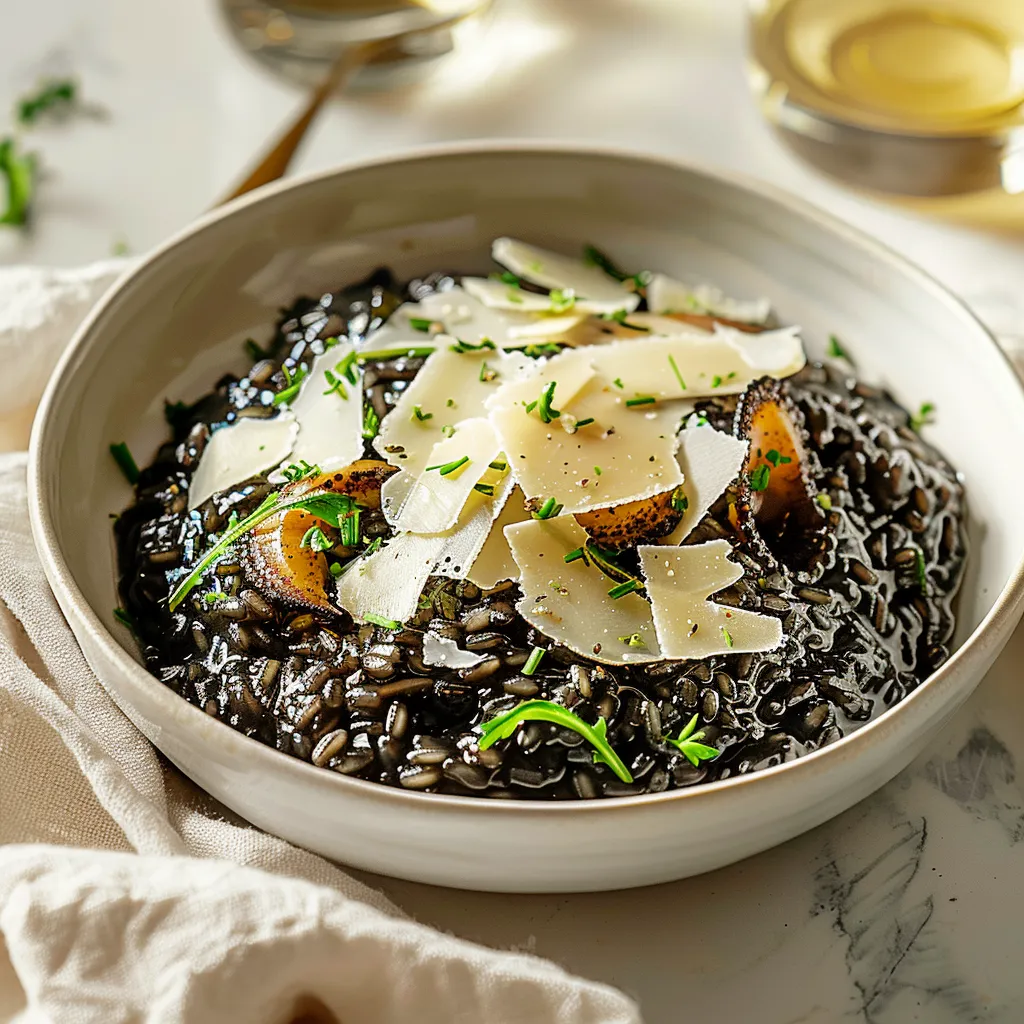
127,894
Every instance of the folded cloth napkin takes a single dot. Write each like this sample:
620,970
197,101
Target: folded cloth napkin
127,894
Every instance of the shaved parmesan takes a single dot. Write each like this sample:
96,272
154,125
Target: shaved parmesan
397,331
464,543
553,270
239,451
440,652
499,295
495,563
465,316
406,439
690,365
626,454
679,582
436,498
666,295
570,602
329,411
547,329
710,460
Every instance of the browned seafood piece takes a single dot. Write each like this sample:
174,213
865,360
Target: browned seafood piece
635,522
707,323
273,554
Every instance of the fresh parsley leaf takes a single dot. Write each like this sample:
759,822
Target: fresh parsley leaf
687,744
503,726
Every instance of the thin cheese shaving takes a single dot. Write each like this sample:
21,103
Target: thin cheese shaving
553,270
499,295
329,411
465,379
680,581
710,460
569,602
666,295
239,451
495,563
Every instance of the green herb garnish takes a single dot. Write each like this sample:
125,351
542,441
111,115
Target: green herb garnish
533,662
726,636
379,620
296,471
346,365
371,423
447,468
418,415
716,381
640,400
923,416
687,745
315,539
562,300
448,430
20,171
487,489
419,323
508,278
675,370
835,350
598,470
467,346
545,410
618,382
759,477
336,386
331,508
51,97
548,510
124,618
373,547
126,462
824,500
622,589
503,726
384,354
632,640
214,597
680,503
487,373
921,571
293,383
776,458
499,465
585,423
575,555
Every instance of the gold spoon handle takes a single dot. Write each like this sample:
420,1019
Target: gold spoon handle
275,161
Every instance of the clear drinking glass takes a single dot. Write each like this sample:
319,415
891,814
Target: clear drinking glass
302,38
913,97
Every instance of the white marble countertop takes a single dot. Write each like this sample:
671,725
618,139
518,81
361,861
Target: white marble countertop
908,907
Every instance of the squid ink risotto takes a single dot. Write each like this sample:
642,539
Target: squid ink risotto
562,532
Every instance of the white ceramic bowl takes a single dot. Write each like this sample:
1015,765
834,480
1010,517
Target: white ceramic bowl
175,324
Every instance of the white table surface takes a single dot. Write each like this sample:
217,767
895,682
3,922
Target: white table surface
908,907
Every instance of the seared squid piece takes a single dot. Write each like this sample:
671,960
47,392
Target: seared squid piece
635,522
775,494
273,554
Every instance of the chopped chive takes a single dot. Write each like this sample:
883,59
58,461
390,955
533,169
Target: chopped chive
574,555
618,382
487,373
379,620
562,300
382,355
622,589
449,403
337,569
675,370
727,636
598,470
294,382
461,346
346,367
584,423
730,375
498,464
640,400
419,415
487,489
126,462
531,407
921,571
545,410
124,618
448,430
372,547
447,468
776,458
509,278
533,661
716,381
420,323
824,500
835,350
632,640
371,423
759,477
548,510
923,416
337,385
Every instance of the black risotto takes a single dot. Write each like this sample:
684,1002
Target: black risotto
864,591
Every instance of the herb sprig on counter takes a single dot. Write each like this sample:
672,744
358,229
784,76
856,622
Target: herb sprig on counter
504,725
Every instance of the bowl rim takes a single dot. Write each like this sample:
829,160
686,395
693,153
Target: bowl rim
992,632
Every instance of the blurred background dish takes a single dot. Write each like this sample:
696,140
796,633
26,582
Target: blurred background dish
302,38
910,97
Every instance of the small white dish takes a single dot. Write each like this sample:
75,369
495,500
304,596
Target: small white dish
177,321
